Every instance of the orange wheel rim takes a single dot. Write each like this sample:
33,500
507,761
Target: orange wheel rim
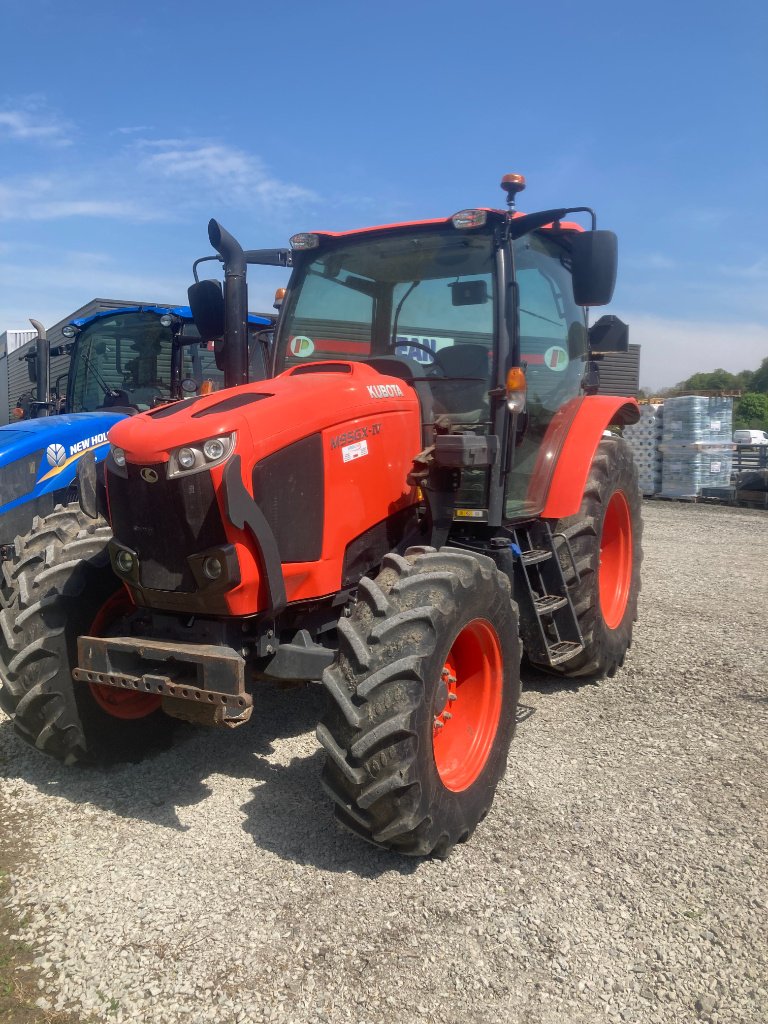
467,706
125,704
615,577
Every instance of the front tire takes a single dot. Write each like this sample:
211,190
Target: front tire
605,538
58,586
423,698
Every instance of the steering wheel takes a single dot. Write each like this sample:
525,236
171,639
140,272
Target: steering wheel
424,348
147,395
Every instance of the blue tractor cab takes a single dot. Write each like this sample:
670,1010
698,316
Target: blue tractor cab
123,361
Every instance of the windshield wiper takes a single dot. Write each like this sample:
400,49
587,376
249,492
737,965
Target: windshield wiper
393,338
108,391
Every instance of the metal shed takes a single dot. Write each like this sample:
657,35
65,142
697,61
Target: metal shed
14,378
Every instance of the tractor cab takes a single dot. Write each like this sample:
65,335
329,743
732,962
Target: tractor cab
483,314
133,359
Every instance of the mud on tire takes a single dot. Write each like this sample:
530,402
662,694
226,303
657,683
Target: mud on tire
422,614
50,593
611,497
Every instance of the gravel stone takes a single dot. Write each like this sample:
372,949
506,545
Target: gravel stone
620,875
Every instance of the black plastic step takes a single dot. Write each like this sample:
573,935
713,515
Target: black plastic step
549,603
564,651
535,555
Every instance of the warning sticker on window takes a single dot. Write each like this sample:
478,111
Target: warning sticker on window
556,358
354,451
301,346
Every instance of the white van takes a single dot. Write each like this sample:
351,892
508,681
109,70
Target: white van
750,437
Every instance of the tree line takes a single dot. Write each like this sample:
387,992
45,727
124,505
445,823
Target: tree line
750,411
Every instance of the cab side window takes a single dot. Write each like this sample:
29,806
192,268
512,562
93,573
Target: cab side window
552,332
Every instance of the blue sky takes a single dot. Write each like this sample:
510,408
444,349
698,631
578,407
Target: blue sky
125,127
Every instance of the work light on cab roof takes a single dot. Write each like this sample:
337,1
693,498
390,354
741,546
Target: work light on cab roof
304,240
470,218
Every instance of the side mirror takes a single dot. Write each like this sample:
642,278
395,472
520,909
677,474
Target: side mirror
206,301
31,360
609,334
594,260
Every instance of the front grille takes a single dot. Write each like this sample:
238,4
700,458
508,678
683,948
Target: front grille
164,522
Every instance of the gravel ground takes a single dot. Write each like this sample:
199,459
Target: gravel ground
619,877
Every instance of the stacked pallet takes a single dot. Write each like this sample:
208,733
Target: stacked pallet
644,438
696,445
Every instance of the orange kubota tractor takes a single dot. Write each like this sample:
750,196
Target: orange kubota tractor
424,490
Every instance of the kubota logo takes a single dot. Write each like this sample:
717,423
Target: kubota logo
56,454
385,391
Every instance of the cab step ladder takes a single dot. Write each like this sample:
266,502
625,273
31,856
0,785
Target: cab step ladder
548,624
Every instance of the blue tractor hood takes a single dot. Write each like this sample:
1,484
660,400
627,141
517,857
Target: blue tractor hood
39,458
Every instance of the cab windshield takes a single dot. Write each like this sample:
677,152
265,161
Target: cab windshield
129,353
426,298
129,360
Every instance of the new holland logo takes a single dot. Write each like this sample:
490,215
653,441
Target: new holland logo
56,455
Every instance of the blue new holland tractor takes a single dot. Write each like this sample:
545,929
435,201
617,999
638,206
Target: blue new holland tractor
123,361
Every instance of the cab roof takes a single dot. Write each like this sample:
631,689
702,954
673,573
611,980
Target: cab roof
494,216
184,312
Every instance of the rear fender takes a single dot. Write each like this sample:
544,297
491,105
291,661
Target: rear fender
593,415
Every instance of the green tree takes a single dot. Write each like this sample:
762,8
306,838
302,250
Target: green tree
751,412
759,380
715,380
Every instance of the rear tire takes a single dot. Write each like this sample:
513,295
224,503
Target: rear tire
51,592
433,639
605,537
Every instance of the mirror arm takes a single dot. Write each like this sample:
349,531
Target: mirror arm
203,259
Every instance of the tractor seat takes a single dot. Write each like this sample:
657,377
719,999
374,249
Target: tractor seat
464,399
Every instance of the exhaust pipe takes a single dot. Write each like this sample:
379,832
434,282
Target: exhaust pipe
235,304
43,360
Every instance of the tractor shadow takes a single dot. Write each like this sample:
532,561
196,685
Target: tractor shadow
288,812
538,681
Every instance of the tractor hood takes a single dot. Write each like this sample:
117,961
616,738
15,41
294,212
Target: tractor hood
60,439
266,415
40,457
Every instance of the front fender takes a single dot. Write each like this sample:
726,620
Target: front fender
569,478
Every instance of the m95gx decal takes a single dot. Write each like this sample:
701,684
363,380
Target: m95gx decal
358,434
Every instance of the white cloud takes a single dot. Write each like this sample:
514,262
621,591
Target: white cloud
27,125
757,271
132,130
237,176
674,349
650,261
50,198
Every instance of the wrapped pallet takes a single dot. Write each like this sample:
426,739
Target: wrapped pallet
696,447
644,438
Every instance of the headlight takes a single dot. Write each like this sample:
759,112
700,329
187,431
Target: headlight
214,449
118,455
125,561
187,458
193,458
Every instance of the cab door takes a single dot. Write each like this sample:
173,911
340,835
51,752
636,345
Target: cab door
553,344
